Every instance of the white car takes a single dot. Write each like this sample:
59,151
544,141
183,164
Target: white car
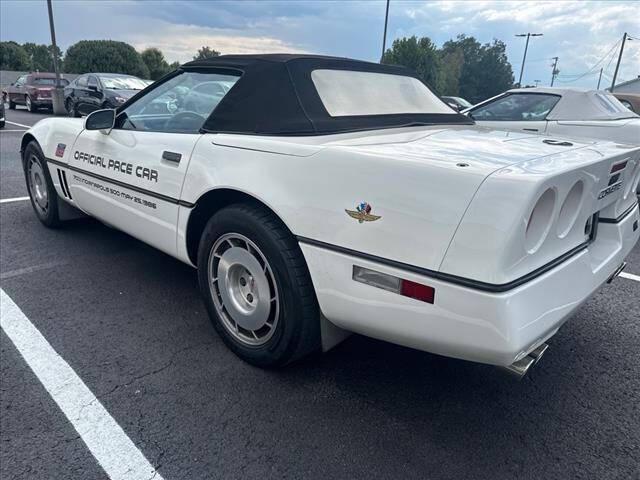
563,112
320,196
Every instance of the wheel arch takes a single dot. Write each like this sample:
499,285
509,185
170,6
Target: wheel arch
26,139
211,202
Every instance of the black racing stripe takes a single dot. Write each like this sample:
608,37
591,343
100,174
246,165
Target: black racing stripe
462,281
150,193
64,178
624,214
62,186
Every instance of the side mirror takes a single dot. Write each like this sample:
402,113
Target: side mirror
101,120
93,87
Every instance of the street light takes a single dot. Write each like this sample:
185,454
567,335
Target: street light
384,35
625,37
526,46
57,94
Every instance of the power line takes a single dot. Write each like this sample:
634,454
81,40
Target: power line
568,78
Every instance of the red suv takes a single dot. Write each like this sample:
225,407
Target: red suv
32,90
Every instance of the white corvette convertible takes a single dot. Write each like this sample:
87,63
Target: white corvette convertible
566,112
318,196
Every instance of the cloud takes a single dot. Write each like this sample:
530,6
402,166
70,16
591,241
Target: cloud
581,33
181,42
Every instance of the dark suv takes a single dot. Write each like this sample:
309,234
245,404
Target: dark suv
32,90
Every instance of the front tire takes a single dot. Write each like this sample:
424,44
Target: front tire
71,108
256,286
43,195
30,106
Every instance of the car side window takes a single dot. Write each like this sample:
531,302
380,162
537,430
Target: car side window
517,107
20,81
178,105
81,82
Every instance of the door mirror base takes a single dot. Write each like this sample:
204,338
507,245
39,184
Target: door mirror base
102,120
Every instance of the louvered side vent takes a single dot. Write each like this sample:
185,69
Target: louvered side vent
62,176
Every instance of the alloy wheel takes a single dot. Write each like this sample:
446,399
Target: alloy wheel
243,289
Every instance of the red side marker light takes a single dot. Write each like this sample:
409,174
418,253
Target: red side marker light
618,166
418,291
394,284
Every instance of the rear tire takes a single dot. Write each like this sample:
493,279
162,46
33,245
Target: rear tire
43,195
256,287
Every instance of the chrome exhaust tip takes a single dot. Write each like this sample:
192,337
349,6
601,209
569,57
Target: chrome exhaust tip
538,352
520,368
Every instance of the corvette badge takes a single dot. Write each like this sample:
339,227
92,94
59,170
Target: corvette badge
362,213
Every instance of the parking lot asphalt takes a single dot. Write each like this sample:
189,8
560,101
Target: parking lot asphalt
129,321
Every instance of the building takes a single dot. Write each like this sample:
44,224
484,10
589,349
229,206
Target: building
631,86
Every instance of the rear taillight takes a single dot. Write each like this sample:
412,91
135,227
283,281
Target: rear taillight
391,283
539,222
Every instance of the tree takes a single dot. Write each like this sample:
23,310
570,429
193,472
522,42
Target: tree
41,57
174,66
206,52
155,62
421,55
106,56
13,57
485,69
450,70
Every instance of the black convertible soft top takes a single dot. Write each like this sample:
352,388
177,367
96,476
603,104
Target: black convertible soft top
276,96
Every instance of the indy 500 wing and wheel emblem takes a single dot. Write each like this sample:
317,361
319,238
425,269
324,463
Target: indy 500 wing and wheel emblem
362,213
483,263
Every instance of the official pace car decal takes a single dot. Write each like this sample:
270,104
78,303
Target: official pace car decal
115,165
362,213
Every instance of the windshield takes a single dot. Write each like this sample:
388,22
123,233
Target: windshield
179,105
123,83
49,81
353,93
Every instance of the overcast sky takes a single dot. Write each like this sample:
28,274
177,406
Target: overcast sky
585,35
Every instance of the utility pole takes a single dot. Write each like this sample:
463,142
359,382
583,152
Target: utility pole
554,69
57,98
615,74
599,78
526,46
384,36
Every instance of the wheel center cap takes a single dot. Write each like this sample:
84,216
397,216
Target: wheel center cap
244,288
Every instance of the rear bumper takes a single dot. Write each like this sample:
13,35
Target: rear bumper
42,102
467,323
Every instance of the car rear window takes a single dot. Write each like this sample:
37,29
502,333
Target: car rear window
354,93
49,81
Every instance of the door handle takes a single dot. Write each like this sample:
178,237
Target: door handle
171,156
531,129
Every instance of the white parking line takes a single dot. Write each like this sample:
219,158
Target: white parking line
108,443
26,270
7,131
15,199
18,124
630,276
